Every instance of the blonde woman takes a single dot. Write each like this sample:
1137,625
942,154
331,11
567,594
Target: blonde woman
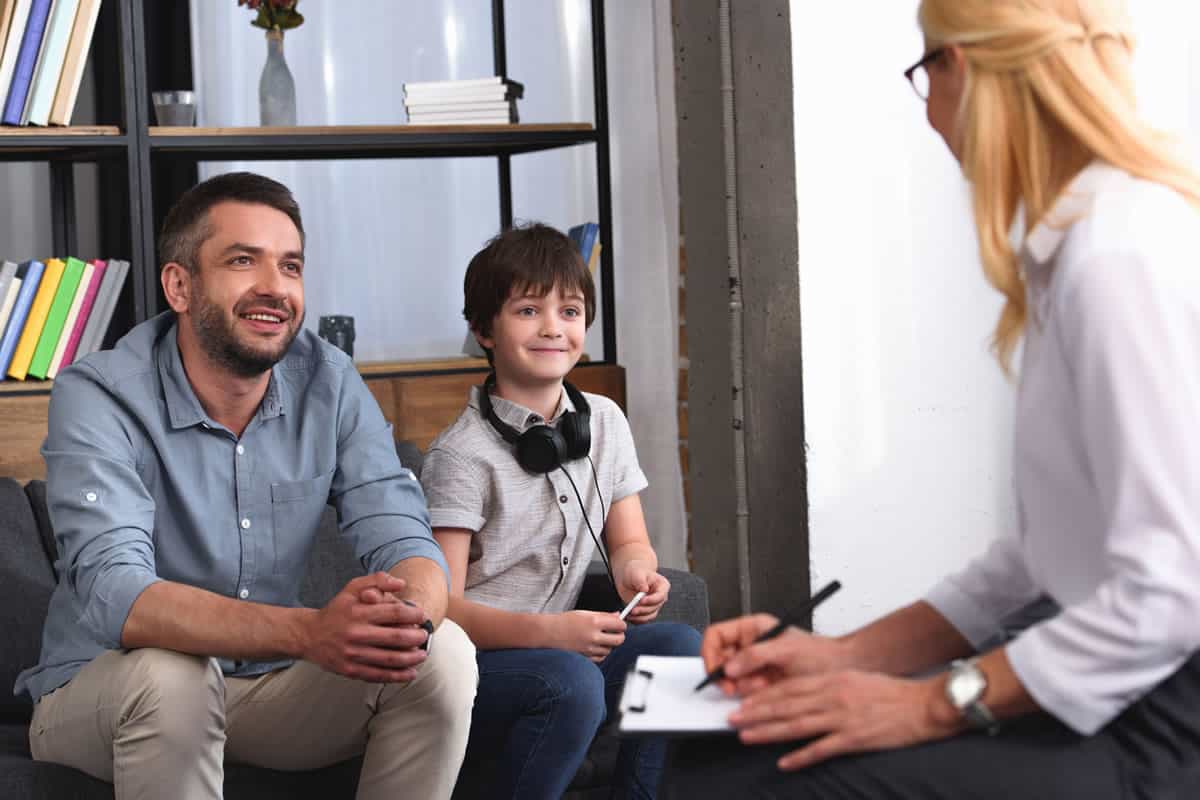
1102,698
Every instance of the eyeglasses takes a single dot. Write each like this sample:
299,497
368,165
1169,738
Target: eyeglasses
918,73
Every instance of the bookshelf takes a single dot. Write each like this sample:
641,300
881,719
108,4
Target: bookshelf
142,45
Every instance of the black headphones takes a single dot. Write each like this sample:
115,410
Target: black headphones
544,448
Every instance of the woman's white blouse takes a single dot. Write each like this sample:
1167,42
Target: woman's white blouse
1107,455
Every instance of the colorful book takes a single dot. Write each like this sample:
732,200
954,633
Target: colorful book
8,271
594,261
7,7
585,237
72,71
68,326
56,317
27,56
88,291
50,62
30,274
7,301
36,321
10,46
102,311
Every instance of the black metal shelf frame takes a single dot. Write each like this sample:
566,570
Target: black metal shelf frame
349,145
163,162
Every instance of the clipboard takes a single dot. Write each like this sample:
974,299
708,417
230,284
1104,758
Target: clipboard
659,699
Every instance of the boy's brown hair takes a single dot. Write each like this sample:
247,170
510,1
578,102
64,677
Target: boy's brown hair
531,258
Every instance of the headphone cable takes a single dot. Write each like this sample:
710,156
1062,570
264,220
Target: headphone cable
607,566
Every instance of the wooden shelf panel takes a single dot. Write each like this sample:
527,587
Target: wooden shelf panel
12,387
364,141
76,143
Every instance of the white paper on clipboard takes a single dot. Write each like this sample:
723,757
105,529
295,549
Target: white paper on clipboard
659,697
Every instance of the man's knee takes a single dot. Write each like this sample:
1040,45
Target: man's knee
181,696
450,674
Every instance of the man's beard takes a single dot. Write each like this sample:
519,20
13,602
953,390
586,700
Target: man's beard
217,337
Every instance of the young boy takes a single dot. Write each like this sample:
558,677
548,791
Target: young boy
518,488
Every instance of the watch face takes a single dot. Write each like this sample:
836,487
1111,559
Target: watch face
966,685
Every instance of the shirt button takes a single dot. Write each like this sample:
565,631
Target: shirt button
564,561
240,450
562,498
245,523
91,497
244,593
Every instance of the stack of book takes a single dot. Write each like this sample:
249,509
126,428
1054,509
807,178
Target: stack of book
43,50
482,101
587,238
54,312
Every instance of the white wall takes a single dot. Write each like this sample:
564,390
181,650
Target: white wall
908,418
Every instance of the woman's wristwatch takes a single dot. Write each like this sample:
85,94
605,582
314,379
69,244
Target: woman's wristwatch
965,689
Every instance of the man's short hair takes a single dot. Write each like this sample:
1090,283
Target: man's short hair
186,226
530,257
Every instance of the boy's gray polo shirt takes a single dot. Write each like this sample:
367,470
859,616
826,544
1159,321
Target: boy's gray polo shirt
531,547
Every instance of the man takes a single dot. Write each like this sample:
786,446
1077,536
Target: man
187,472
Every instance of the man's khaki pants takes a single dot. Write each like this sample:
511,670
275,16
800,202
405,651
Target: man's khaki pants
159,724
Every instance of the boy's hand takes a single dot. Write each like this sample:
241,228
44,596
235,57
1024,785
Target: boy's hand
638,577
590,633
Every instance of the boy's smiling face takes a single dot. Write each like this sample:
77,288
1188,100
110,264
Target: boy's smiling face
537,340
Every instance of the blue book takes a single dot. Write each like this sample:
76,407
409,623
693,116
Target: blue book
584,237
30,275
576,236
588,240
27,58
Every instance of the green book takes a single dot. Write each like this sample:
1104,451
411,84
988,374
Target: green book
44,353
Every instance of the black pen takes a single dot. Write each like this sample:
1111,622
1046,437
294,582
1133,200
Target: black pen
816,600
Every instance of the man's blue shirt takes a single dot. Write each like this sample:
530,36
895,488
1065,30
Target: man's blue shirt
143,486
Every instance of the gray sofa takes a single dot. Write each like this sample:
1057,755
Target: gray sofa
27,556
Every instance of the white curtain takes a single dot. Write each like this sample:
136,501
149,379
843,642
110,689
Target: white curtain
389,240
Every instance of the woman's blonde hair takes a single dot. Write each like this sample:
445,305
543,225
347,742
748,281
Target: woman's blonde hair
1048,90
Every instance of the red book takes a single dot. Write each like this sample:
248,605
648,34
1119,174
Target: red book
85,311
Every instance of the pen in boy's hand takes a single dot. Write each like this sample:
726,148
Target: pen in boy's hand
637,598
818,598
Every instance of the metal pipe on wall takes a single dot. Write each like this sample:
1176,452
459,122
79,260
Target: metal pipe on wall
737,368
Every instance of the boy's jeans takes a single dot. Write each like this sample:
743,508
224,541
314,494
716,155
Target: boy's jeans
536,712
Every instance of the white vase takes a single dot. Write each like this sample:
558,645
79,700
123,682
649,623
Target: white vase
276,88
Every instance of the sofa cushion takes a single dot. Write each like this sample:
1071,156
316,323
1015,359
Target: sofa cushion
26,582
331,563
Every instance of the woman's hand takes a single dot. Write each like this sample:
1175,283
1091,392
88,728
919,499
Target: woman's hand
590,633
845,711
750,667
638,577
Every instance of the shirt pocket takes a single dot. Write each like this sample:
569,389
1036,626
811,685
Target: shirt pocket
296,508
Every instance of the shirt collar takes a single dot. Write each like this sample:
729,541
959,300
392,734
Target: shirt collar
1042,243
518,416
183,407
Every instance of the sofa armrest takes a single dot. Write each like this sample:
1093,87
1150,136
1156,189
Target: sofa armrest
687,602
